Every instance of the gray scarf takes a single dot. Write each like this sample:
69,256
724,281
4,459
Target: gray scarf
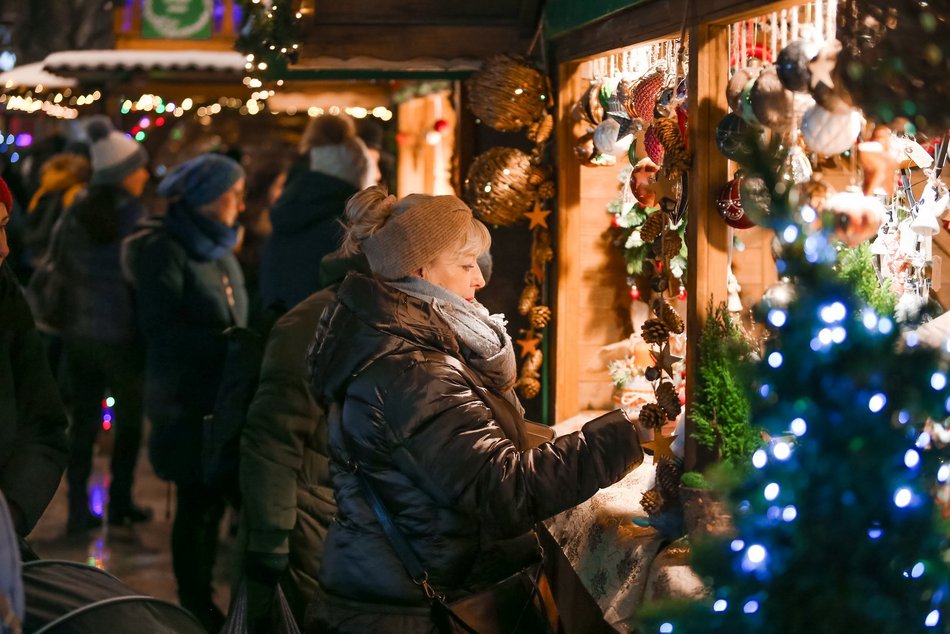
485,342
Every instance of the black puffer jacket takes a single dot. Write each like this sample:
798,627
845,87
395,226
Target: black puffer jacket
458,488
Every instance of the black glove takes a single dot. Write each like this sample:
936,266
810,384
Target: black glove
262,572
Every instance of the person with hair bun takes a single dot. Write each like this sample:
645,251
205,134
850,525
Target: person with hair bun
429,452
332,166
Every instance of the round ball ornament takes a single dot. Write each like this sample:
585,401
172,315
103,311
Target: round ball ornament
508,94
502,185
738,83
771,102
792,64
588,108
856,217
729,205
734,138
830,133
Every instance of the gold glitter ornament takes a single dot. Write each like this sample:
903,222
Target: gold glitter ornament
654,331
502,185
507,93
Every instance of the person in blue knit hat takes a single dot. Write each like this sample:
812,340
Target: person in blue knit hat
189,289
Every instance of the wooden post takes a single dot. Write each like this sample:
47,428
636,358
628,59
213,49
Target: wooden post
706,233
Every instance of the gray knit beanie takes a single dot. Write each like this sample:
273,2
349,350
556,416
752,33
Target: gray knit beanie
113,155
420,228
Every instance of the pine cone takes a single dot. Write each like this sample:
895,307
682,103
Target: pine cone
652,227
652,502
654,331
677,158
529,296
667,398
528,387
540,131
669,470
540,316
671,244
547,190
670,318
652,416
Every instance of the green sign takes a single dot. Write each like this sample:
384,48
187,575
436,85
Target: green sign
177,19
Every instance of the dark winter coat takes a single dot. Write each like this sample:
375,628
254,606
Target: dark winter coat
62,178
440,452
184,306
92,235
33,448
306,227
285,468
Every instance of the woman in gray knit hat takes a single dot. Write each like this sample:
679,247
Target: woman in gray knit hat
437,486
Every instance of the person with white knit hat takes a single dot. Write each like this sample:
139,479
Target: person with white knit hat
102,344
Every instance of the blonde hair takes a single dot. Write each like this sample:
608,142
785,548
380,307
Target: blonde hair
365,214
327,129
476,241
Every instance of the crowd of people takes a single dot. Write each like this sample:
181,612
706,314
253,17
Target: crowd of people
387,480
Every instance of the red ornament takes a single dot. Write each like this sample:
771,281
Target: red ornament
441,125
634,292
729,205
683,294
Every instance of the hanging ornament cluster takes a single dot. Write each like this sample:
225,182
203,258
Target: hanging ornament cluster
895,60
268,34
506,185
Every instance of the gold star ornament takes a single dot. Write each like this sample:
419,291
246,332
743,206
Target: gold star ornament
823,65
664,359
660,446
529,345
537,216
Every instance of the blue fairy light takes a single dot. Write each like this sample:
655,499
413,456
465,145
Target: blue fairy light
775,359
833,313
721,605
912,339
923,441
765,390
777,317
751,607
911,458
815,345
789,513
877,402
825,336
943,473
932,619
869,319
799,427
808,214
903,416
737,545
885,325
666,628
759,458
774,513
838,334
813,247
903,497
875,533
938,380
781,450
918,570
757,553
772,489
790,234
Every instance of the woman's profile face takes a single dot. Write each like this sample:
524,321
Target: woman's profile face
458,273
229,205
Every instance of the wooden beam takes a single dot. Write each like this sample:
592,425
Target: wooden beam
706,234
410,42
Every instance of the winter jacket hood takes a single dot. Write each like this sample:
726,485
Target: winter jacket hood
66,173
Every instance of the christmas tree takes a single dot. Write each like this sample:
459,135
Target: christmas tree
837,529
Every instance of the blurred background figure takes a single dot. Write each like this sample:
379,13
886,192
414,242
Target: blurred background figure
102,345
332,166
189,289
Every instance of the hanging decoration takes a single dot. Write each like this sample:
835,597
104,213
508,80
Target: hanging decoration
269,34
506,185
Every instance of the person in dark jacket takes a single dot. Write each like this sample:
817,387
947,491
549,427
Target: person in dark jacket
62,178
285,470
418,379
33,447
189,289
102,345
333,166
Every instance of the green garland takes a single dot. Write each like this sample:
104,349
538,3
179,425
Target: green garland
721,409
856,270
269,34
